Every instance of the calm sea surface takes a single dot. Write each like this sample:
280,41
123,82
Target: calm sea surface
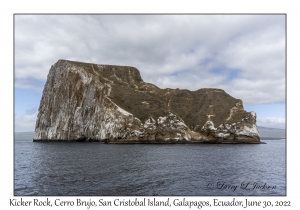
144,170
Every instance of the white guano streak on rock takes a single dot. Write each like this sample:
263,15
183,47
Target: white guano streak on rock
250,131
150,124
114,120
232,110
111,125
171,122
209,117
223,135
224,130
122,111
108,90
85,78
210,125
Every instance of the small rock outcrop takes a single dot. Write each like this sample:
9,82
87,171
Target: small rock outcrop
112,104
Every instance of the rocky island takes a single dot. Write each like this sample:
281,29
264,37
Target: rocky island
112,104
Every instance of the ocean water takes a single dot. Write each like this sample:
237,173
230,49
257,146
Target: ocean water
83,169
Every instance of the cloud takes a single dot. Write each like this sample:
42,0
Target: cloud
169,50
29,83
272,122
26,122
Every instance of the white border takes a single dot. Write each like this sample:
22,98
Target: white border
8,8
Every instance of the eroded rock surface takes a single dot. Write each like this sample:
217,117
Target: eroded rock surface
112,104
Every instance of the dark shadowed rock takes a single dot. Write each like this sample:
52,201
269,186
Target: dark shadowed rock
112,104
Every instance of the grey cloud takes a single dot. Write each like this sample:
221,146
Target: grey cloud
26,122
275,122
169,50
28,84
31,111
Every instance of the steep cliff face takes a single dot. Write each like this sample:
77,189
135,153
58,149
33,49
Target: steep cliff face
112,104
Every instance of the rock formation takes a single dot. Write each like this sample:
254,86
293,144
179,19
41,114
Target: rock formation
112,104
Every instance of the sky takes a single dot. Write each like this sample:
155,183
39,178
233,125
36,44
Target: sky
241,54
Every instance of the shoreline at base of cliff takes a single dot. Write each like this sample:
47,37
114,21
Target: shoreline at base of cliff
143,142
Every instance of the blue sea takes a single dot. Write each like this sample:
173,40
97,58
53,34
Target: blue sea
96,169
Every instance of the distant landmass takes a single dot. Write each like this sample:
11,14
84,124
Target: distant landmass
271,133
264,132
